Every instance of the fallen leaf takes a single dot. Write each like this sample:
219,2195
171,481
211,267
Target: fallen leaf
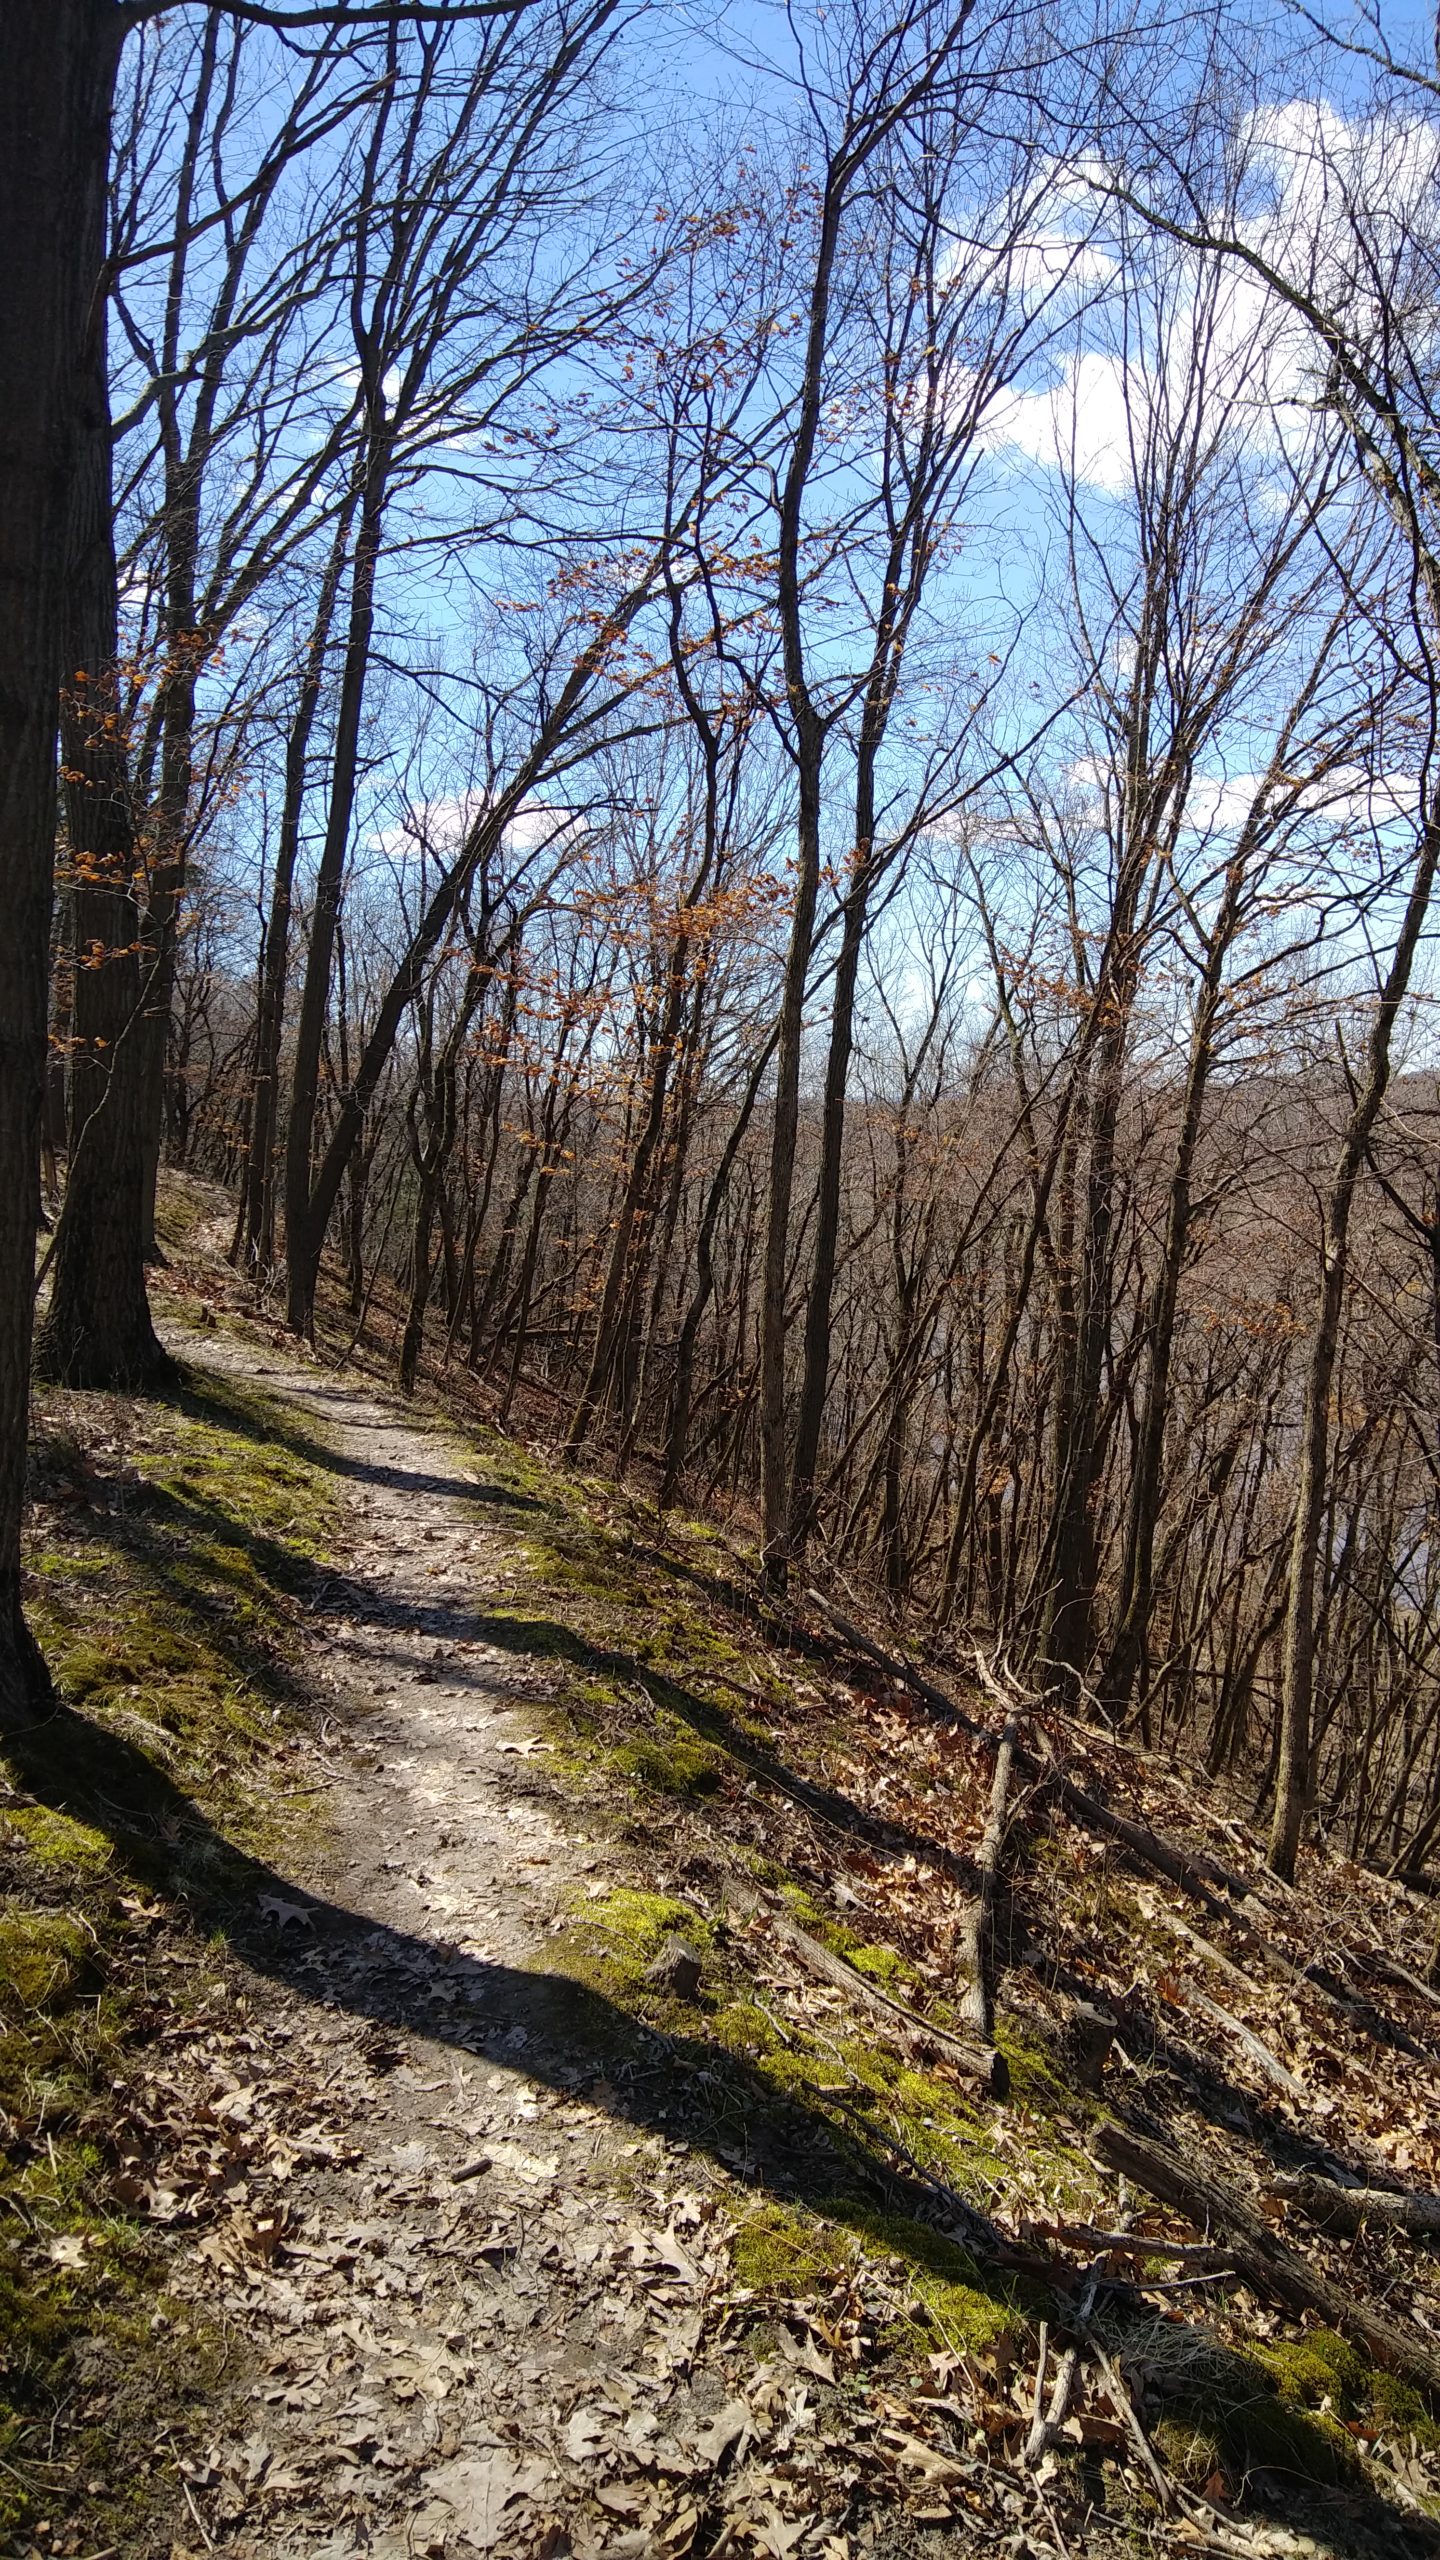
479,2489
585,2435
726,2428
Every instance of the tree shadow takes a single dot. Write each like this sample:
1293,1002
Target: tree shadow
553,2026
550,1640
682,2083
200,1396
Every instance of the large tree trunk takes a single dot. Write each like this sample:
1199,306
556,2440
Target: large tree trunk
54,129
784,1138
97,1330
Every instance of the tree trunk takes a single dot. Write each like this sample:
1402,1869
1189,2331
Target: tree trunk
255,1241
784,1135
1130,1643
677,1444
54,126
636,1206
1292,1776
305,1224
97,1330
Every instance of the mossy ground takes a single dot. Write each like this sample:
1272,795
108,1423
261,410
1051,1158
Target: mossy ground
853,2142
171,1541
841,2120
1282,2408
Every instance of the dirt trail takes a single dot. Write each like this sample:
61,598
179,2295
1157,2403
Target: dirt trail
479,2301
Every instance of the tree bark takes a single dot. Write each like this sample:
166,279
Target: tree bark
1267,2266
977,1999
255,1238
97,1330
54,112
304,1226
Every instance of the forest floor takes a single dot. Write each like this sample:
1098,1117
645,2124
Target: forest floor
424,2129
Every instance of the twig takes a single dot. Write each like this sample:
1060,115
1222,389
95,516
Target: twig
1044,2430
1038,2400
1131,2244
205,2535
1164,2487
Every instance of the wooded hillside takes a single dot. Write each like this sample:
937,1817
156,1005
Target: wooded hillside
719,728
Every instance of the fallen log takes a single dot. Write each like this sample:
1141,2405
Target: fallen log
1266,2264
1333,2208
977,2000
1194,1874
1212,1955
902,1673
975,2061
1358,2012
1190,1869
1398,1974
1260,2054
1193,1871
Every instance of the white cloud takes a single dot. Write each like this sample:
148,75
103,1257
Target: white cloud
1323,182
1220,803
1083,423
439,827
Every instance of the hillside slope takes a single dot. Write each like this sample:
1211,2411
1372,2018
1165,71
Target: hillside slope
501,1997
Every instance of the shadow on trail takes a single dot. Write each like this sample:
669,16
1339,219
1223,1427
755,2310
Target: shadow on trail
686,2084
200,1394
549,1640
561,2033
550,2026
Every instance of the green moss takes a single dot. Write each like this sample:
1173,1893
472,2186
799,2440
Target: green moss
180,1211
1397,2409
673,1764
165,1600
787,2253
54,1840
612,1942
1034,2080
575,1555
972,2307
168,1614
75,2324
666,1758
883,1965
1257,2410
642,1918
1323,2375
44,1958
743,2027
1315,2367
